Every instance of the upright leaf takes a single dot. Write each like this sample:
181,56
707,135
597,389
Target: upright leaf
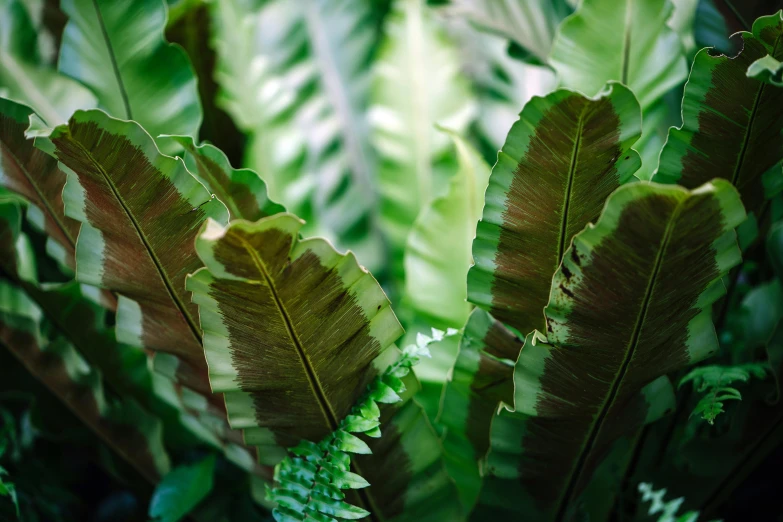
416,85
625,41
319,322
241,190
631,302
482,378
35,175
117,49
437,256
561,160
24,76
529,24
140,212
123,426
731,127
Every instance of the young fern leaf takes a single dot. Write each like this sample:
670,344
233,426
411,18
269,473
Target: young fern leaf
308,483
713,382
666,511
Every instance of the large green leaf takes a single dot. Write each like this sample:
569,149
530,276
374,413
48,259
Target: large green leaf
416,85
304,102
181,490
561,160
293,331
24,77
630,303
731,127
437,256
242,190
34,174
140,212
625,41
530,24
482,378
117,50
124,426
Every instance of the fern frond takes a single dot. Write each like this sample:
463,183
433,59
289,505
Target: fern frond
667,510
713,381
309,482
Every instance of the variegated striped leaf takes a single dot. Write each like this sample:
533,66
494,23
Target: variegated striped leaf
731,127
140,212
561,160
124,426
35,175
293,330
630,303
482,378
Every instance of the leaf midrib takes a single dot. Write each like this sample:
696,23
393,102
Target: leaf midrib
629,352
751,121
113,59
195,330
569,186
312,377
44,200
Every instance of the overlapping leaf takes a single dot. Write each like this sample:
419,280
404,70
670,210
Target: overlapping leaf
437,256
140,212
124,426
35,175
731,127
117,50
24,76
319,322
416,85
561,160
631,302
482,378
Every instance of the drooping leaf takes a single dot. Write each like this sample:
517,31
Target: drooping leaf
319,322
561,160
416,85
767,69
140,212
438,255
627,42
132,432
241,190
730,126
529,24
482,378
181,490
117,49
630,303
24,76
35,175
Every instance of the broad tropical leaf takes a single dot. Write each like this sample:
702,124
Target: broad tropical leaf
319,322
437,256
118,51
307,110
124,426
529,24
241,190
35,175
561,160
631,302
24,77
624,41
482,378
140,212
416,85
731,127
